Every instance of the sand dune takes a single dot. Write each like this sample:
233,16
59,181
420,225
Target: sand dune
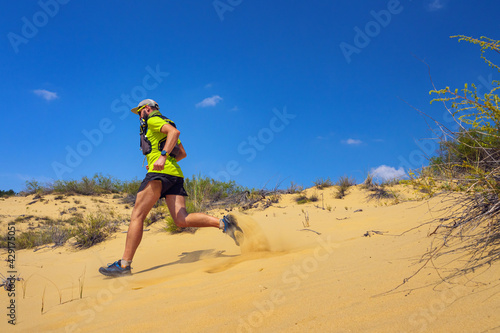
336,275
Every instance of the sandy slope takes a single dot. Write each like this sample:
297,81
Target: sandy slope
327,278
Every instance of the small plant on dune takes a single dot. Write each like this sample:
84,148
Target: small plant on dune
380,192
301,199
43,300
158,213
322,183
305,223
343,184
275,198
81,282
95,228
313,197
294,188
369,182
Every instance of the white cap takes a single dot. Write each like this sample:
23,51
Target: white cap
149,102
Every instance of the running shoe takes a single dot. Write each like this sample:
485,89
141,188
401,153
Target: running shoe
115,269
232,229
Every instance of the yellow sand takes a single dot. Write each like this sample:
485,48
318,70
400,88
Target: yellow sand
287,277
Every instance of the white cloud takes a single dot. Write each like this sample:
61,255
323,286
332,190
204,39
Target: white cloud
385,172
433,5
352,142
208,85
209,101
45,94
235,109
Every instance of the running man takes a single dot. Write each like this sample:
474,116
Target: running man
160,143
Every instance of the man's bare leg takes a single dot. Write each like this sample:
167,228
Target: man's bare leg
145,200
177,207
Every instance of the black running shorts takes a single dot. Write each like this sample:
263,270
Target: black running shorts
169,184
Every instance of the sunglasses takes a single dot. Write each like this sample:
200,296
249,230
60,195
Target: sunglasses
139,109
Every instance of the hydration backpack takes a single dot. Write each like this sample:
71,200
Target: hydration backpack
145,144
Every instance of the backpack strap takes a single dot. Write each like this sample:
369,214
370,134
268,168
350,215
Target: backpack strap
163,117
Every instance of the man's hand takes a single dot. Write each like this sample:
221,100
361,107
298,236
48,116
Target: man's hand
160,163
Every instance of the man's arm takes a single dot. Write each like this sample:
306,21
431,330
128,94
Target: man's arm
172,136
182,153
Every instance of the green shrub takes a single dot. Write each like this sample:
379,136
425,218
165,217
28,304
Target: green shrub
204,192
301,199
468,160
130,187
95,228
9,193
322,183
343,184
34,187
96,185
55,233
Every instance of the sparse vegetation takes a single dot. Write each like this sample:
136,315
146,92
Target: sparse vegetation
391,182
343,184
87,231
322,183
96,185
158,213
51,232
301,199
369,182
5,194
379,192
206,193
95,228
294,188
468,162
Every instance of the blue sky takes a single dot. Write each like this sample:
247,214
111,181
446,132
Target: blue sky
263,92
